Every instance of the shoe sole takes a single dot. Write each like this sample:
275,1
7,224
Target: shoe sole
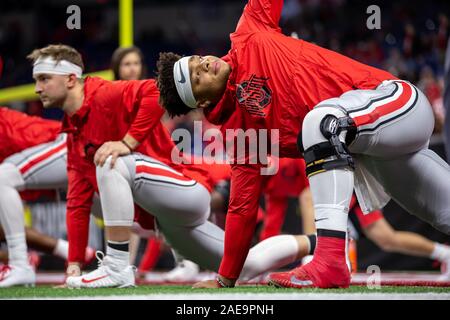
120,287
275,284
278,285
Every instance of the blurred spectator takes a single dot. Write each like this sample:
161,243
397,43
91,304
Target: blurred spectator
433,90
128,64
396,64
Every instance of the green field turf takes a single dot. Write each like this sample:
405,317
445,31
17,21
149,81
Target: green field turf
50,292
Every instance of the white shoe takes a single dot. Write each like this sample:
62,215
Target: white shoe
17,276
107,275
185,271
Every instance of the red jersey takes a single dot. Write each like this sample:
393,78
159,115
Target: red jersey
275,81
110,110
364,220
217,171
289,181
19,131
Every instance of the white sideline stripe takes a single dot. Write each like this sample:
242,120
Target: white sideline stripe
263,296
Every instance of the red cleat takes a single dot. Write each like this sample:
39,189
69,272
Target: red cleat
331,272
312,276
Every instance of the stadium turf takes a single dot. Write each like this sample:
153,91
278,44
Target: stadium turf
50,292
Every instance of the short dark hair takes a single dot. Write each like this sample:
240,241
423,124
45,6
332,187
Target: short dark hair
169,97
58,52
119,54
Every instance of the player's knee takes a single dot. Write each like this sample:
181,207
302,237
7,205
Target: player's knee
323,140
10,175
7,192
311,129
105,173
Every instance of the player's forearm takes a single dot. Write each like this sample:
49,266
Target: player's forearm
241,218
239,231
130,141
77,234
266,11
148,116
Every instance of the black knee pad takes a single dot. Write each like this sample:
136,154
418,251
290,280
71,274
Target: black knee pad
333,153
300,142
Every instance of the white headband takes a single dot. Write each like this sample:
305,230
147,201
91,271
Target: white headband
50,65
182,79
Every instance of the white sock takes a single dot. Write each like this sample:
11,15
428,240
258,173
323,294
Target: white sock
116,196
11,176
17,250
62,249
270,254
119,258
441,252
11,212
332,191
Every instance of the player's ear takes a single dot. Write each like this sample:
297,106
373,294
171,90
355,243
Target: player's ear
203,104
71,80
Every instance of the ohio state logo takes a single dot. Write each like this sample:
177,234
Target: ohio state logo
254,95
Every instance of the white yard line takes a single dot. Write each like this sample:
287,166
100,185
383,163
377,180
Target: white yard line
154,278
265,296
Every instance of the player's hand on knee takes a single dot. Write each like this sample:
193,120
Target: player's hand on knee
113,149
